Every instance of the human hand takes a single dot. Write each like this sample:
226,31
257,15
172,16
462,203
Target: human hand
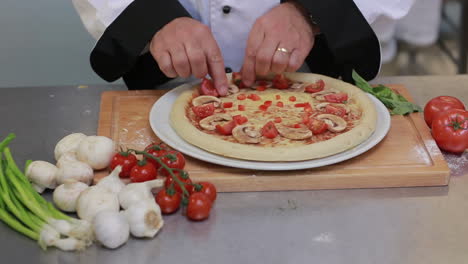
279,41
184,47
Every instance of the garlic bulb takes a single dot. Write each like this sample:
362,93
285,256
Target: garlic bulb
69,143
74,170
96,151
65,157
112,182
144,218
66,195
42,174
111,229
135,192
94,200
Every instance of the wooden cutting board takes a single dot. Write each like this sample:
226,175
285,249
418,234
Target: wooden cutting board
408,156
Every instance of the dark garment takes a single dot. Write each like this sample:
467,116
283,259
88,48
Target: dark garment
347,42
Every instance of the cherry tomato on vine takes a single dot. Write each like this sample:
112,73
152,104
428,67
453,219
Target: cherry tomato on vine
199,206
172,159
124,159
207,188
143,171
156,150
185,179
169,201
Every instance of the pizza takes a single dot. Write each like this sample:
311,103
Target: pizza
287,117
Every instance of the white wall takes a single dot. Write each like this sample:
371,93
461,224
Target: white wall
43,43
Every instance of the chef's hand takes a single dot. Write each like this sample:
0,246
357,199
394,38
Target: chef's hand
279,41
184,47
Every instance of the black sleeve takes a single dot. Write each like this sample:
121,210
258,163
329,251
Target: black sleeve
346,41
118,51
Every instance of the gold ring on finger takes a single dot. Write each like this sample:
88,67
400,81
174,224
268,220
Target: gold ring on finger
283,50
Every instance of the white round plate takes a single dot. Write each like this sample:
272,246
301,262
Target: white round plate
160,123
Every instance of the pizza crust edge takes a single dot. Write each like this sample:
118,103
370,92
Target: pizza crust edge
337,144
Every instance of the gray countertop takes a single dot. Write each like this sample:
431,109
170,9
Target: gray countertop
397,225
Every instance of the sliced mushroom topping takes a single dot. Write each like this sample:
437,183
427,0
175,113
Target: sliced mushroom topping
209,123
323,105
246,134
206,99
321,95
233,89
298,86
294,133
335,123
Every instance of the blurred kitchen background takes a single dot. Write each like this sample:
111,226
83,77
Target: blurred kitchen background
44,43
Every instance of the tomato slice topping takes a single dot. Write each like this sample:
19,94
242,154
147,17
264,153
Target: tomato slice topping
269,130
308,108
207,87
262,83
336,98
263,107
279,104
280,82
227,105
268,103
299,105
241,97
292,98
227,128
278,119
317,126
318,86
335,110
305,118
254,97
297,126
261,88
241,107
203,111
278,97
240,119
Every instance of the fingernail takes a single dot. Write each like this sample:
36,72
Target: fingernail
223,89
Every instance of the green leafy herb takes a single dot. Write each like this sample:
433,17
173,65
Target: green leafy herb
398,104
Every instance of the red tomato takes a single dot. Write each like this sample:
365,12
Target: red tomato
172,159
439,105
227,128
156,146
207,188
279,104
254,97
203,111
335,110
143,171
227,105
268,103
263,107
124,159
292,98
156,151
184,178
207,87
336,98
261,88
168,201
305,118
297,126
278,119
199,206
299,105
240,119
317,126
308,108
278,97
450,130
241,107
241,97
280,82
269,130
315,87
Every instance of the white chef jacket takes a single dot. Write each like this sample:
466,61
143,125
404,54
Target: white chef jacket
231,31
